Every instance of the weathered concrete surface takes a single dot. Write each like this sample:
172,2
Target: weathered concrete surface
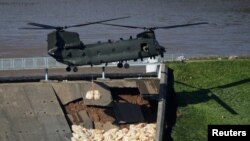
67,92
31,112
160,124
87,123
120,83
148,86
71,91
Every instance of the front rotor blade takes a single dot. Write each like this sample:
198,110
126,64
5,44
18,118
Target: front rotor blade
127,26
43,26
96,22
176,26
34,28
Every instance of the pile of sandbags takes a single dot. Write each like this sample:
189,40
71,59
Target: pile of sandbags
139,132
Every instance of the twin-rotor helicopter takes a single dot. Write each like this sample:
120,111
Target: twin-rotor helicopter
67,48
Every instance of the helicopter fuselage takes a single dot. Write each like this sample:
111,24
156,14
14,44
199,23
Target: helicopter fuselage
67,48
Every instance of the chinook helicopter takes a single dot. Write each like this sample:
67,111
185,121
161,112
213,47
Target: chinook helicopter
67,48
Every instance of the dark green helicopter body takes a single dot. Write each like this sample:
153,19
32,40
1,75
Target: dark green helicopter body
67,48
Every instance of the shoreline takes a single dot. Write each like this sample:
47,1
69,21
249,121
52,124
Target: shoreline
25,52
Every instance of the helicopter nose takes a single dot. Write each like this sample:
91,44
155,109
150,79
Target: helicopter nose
51,53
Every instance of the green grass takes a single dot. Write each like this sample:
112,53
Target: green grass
210,92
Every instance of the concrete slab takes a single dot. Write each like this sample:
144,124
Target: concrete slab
67,92
148,86
122,83
70,118
31,112
160,123
86,121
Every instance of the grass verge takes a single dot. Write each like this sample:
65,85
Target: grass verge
210,92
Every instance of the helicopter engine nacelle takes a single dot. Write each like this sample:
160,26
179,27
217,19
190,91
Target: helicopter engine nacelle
60,40
63,39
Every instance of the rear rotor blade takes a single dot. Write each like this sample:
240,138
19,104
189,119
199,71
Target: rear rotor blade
186,84
153,28
176,26
233,84
45,26
89,23
127,26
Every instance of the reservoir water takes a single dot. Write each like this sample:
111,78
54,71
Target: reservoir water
228,31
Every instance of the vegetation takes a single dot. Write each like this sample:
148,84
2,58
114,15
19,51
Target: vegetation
210,92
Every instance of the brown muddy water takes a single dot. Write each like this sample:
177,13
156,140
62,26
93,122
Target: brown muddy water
228,31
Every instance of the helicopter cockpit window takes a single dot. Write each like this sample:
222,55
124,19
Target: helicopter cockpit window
144,47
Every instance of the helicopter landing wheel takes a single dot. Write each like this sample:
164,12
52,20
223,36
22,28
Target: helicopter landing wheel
68,69
75,69
126,65
120,65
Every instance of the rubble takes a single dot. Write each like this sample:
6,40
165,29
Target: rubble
135,132
113,123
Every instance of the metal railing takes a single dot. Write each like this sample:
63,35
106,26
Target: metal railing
29,63
49,62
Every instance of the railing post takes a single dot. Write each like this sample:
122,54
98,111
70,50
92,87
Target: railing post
103,72
46,74
46,68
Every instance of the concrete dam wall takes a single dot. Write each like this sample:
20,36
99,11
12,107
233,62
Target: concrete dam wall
39,111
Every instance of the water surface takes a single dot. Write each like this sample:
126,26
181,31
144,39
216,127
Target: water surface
227,34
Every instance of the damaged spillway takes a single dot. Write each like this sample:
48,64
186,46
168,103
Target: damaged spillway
119,109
